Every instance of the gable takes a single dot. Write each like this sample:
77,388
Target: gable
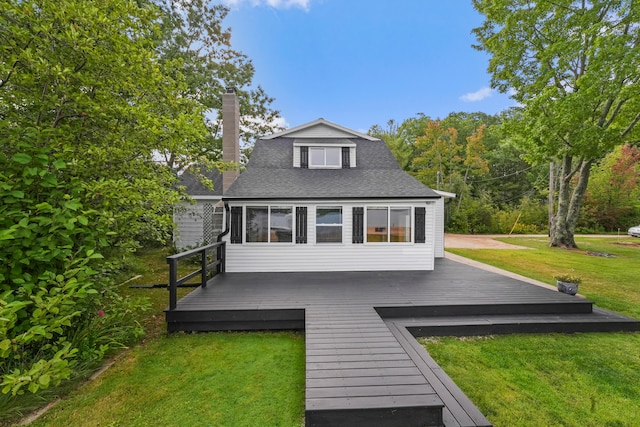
320,129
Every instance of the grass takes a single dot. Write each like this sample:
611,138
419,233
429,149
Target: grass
555,380
612,283
582,380
225,379
249,379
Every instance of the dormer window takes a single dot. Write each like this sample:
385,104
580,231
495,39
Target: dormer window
324,154
325,157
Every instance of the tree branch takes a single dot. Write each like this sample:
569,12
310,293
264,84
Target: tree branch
629,128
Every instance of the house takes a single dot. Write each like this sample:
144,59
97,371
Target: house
318,197
201,220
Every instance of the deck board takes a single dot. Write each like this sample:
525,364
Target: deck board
363,365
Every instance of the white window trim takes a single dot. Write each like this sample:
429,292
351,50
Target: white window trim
269,242
315,225
325,166
351,145
389,208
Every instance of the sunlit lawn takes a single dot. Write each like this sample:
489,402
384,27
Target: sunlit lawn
257,379
556,380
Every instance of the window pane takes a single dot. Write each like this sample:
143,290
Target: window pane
377,225
329,215
281,224
400,229
257,224
333,155
329,224
316,156
328,234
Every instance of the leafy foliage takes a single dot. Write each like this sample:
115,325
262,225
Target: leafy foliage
90,94
573,68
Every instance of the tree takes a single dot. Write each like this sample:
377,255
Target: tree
398,141
195,47
573,68
612,200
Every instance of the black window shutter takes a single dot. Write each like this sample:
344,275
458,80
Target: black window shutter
301,224
346,158
304,157
236,224
420,225
358,225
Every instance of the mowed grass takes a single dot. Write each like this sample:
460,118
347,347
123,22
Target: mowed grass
556,380
207,379
213,379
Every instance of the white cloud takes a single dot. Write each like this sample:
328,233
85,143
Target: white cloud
478,95
276,4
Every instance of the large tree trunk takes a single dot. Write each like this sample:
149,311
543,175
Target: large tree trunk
569,202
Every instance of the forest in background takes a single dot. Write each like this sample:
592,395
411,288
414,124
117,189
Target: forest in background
497,190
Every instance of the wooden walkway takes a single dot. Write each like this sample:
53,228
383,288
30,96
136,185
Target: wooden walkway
363,365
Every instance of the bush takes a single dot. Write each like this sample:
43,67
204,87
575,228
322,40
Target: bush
57,314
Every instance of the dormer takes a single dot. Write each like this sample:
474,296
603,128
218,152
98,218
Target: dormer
323,145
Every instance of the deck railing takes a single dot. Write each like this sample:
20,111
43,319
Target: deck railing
205,267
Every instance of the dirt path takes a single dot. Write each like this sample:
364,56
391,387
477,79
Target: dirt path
467,241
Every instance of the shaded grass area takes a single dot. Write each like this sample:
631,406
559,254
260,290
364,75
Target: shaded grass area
556,380
225,379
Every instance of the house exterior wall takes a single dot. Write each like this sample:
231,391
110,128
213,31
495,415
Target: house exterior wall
345,256
439,228
190,228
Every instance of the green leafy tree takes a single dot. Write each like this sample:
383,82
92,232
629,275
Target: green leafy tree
195,47
573,67
612,200
399,141
85,104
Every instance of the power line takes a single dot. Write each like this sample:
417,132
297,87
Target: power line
501,177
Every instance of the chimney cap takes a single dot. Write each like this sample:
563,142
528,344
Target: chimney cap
231,89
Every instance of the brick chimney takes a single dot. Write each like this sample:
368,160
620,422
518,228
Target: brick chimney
230,135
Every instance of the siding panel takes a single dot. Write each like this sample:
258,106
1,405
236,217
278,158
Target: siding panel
273,257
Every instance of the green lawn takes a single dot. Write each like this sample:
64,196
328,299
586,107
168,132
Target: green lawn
257,379
213,379
556,380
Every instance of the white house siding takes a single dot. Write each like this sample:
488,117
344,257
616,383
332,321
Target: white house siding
439,228
189,223
272,257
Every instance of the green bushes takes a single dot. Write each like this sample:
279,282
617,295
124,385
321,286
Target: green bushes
480,216
58,316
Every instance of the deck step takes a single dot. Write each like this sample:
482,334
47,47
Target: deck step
573,305
234,320
358,374
597,321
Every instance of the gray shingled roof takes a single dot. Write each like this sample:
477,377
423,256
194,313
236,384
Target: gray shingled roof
270,175
195,188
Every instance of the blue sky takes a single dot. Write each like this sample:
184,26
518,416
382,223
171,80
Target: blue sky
359,63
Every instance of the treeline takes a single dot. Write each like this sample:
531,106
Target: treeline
497,189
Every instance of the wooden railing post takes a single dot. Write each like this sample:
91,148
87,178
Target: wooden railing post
173,282
203,267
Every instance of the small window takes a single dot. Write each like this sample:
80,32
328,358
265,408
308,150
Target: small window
329,224
269,224
329,157
387,224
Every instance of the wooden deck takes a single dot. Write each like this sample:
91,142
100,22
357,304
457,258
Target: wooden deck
363,365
